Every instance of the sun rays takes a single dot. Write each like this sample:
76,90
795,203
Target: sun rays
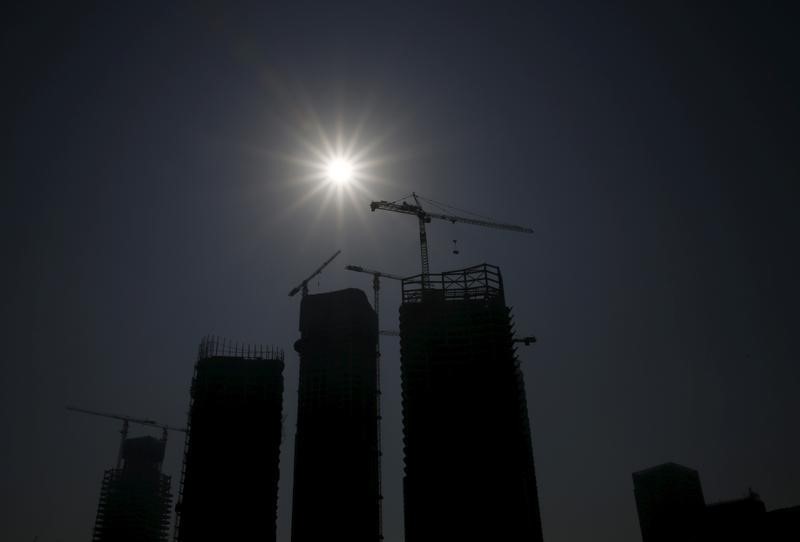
335,173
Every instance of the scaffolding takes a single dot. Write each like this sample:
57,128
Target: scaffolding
479,282
213,347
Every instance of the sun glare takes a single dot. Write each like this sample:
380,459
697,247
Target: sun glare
339,170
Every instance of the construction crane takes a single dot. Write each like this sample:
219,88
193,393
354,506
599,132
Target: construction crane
424,217
303,286
527,341
376,288
126,421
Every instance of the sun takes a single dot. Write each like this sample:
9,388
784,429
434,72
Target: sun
339,170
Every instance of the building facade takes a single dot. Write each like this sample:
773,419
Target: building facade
229,483
337,444
469,469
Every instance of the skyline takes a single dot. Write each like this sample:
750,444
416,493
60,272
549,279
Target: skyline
153,195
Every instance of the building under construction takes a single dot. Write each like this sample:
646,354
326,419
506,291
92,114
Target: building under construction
135,501
229,482
469,471
337,446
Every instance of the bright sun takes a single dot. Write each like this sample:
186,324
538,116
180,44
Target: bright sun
339,170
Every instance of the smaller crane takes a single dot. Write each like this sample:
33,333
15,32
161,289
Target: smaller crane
303,286
376,287
126,421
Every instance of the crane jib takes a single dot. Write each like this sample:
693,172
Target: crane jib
425,217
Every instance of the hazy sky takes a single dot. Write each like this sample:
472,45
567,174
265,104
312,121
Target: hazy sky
153,168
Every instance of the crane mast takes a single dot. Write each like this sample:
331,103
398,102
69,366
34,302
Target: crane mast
376,287
424,217
423,239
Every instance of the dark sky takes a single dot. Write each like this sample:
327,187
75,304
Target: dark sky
149,198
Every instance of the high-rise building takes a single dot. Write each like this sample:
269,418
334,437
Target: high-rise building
670,503
469,470
135,502
337,445
229,483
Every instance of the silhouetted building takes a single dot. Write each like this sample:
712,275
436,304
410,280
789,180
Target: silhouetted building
469,470
336,468
742,519
783,524
229,485
670,503
135,502
747,520
669,499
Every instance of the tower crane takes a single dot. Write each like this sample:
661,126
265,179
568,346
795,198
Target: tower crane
126,421
303,286
424,217
376,287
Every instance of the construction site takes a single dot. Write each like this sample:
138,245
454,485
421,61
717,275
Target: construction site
466,432
468,456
